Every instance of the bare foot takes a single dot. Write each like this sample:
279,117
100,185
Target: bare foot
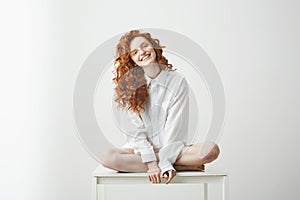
189,168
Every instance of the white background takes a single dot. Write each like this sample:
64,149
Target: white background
255,46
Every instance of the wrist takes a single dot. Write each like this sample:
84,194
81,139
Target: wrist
153,165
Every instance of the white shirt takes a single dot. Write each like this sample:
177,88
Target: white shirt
163,124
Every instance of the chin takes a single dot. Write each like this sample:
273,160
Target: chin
146,64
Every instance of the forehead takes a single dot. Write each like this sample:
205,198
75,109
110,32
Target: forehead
137,41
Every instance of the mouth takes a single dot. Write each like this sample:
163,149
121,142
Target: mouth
145,57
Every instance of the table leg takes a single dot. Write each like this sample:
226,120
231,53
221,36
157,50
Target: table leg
94,189
225,195
205,190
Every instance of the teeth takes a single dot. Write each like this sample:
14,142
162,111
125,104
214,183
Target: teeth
146,56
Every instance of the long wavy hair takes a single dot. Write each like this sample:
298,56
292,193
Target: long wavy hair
130,83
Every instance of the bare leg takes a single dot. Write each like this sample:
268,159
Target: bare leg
195,156
191,158
123,160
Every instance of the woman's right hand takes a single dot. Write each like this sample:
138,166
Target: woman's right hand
153,172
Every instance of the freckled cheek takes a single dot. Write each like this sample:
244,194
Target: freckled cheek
135,58
149,48
154,54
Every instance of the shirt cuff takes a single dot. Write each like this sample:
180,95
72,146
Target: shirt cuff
165,166
148,157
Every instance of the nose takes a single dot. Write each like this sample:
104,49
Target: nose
141,50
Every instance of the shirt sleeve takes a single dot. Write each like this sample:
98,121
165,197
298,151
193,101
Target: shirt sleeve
138,139
176,128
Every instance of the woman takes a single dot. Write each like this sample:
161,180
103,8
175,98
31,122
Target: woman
155,98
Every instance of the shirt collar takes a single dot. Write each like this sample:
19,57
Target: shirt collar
159,79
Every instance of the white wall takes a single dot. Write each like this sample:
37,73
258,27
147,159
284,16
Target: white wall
255,45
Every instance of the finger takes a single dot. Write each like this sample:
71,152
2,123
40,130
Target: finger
158,178
154,179
149,178
170,177
163,175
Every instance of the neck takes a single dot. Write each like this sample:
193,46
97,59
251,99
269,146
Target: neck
152,70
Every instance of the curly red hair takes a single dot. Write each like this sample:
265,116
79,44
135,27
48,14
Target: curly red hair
131,86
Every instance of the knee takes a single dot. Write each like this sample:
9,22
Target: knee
215,152
212,153
108,158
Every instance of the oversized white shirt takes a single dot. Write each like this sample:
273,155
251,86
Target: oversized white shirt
163,124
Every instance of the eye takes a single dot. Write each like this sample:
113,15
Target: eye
133,53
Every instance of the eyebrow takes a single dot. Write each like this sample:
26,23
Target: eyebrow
143,43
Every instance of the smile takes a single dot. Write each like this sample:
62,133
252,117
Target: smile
145,57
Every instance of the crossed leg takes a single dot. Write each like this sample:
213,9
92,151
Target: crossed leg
194,157
191,158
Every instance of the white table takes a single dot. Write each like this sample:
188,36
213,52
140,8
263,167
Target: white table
103,177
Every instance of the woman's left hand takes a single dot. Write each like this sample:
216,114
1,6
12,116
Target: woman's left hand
169,175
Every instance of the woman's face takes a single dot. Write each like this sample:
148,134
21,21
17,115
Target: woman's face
142,51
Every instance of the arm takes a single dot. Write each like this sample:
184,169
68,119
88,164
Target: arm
138,138
175,131
141,145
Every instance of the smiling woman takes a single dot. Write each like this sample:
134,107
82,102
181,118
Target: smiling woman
155,98
130,65
142,52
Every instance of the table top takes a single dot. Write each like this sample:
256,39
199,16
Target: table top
101,171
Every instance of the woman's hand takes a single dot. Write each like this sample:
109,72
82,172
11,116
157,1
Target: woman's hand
153,172
169,175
